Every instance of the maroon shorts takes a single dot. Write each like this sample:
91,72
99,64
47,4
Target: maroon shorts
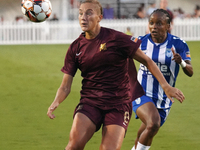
119,115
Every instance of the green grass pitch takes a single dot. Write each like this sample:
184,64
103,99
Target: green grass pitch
29,78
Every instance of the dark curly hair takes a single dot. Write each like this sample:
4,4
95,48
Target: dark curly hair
168,18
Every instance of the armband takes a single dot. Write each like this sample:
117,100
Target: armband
183,64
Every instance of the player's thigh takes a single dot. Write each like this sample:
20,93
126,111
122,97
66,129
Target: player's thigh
114,127
82,129
148,113
112,137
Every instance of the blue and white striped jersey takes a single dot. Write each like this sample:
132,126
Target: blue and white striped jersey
162,55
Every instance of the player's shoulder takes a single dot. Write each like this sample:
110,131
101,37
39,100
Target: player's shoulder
77,40
114,35
178,43
176,40
145,37
74,46
112,32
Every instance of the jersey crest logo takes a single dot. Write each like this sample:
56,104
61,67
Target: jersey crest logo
138,101
168,52
103,47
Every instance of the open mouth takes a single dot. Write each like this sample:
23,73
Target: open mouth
154,32
83,24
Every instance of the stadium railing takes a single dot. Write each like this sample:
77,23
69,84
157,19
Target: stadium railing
64,32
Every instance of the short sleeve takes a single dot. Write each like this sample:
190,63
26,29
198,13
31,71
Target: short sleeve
70,64
128,45
183,50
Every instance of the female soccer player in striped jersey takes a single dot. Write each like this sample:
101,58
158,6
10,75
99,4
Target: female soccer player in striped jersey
169,53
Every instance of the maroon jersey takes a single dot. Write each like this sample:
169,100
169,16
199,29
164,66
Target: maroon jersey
103,62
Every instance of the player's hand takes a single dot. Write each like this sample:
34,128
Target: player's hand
50,111
177,58
172,92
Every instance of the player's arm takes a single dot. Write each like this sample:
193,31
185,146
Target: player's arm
186,65
62,93
188,69
149,63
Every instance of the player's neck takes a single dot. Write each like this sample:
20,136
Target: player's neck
93,33
161,39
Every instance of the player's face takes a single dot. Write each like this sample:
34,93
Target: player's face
158,27
163,4
89,16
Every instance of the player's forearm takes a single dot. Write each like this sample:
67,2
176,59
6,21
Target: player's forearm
63,90
188,69
153,68
62,94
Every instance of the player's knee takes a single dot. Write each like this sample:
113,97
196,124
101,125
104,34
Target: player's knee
110,147
74,146
153,127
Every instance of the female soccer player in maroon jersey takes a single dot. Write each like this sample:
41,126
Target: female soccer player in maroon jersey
104,57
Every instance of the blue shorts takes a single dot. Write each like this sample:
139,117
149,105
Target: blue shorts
145,99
